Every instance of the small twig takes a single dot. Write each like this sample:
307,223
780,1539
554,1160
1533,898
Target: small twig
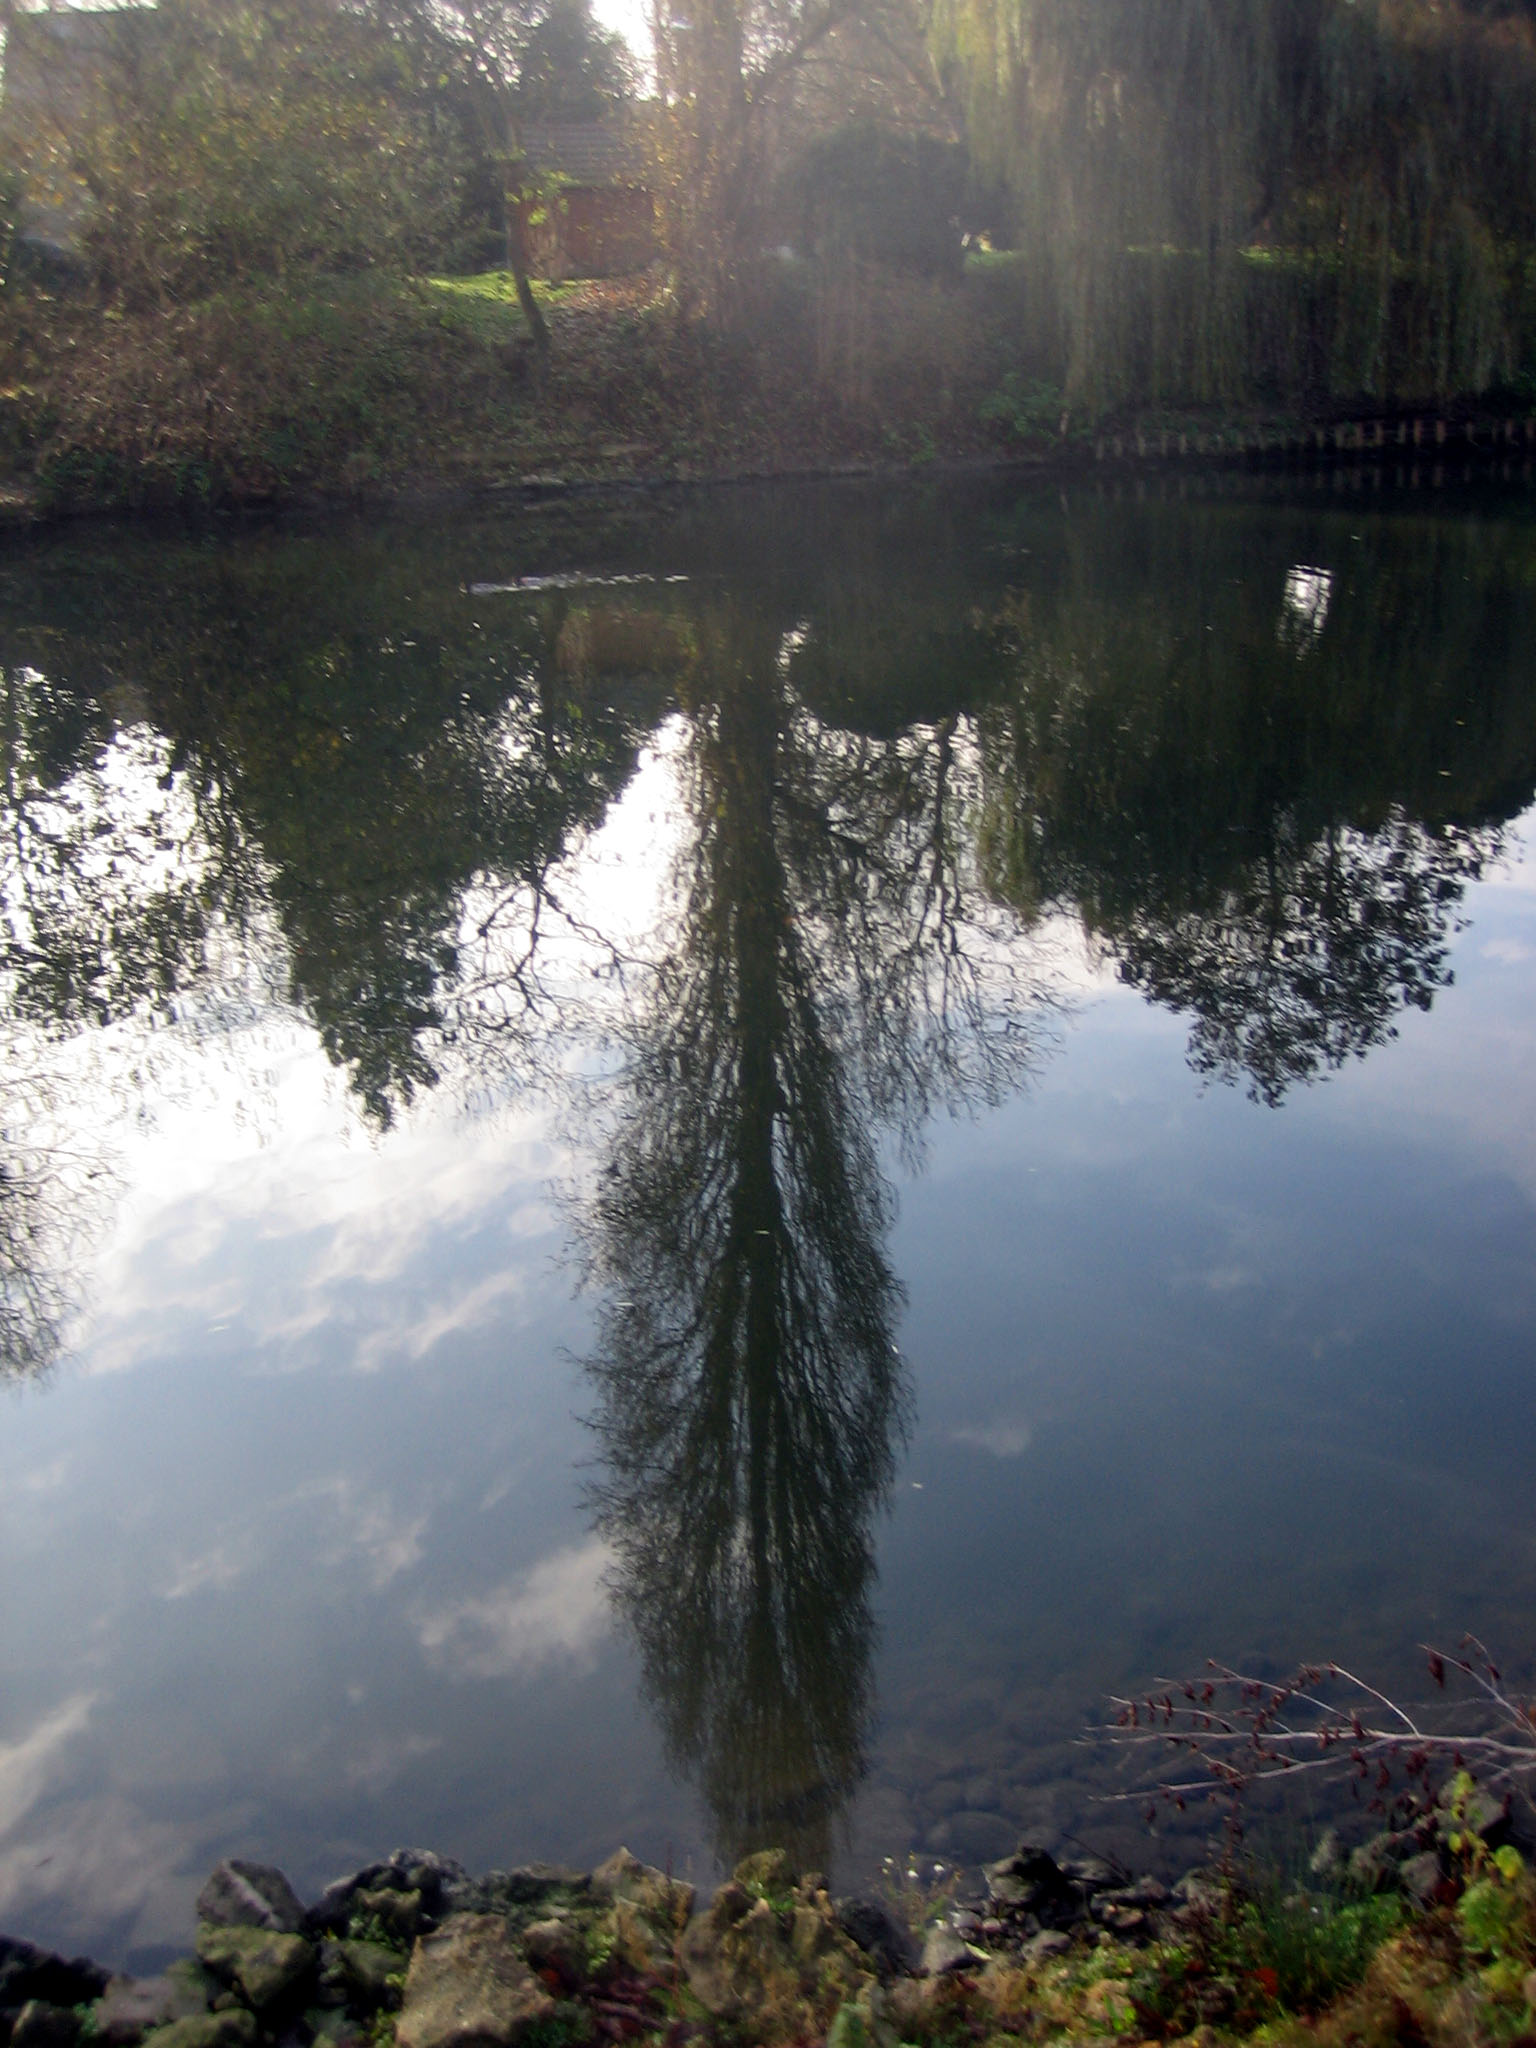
1241,1730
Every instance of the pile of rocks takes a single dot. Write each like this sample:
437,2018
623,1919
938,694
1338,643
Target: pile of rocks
1036,1907
1425,1859
416,1951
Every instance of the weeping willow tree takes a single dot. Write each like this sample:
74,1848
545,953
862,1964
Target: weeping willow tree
1224,196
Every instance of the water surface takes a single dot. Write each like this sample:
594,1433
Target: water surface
686,1174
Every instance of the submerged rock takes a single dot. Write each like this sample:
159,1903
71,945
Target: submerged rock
970,1837
1091,1872
469,1986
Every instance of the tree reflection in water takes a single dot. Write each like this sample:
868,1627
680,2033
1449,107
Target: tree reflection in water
1269,823
364,805
37,1206
821,983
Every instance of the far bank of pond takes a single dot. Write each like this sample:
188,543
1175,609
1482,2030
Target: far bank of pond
375,391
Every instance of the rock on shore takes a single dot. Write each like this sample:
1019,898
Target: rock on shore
414,1952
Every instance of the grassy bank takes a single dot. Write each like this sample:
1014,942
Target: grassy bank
370,386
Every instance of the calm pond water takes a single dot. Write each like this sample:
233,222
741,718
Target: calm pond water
685,1173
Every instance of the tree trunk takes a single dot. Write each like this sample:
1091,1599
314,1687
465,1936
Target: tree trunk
517,263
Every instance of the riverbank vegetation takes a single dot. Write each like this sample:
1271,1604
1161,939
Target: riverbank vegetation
245,244
373,384
414,1952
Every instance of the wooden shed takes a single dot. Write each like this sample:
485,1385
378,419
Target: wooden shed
593,214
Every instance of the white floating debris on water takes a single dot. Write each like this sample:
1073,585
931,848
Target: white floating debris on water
566,579
791,644
1307,591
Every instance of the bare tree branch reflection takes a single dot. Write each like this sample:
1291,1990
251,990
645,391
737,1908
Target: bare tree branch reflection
35,1298
56,1190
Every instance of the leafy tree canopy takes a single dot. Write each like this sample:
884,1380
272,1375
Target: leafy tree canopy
204,142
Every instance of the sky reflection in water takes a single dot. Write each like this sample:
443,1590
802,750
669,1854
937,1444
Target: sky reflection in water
515,1066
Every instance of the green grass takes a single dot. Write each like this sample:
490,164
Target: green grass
995,262
486,305
1316,1947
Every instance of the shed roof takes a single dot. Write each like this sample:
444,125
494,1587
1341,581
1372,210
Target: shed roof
610,152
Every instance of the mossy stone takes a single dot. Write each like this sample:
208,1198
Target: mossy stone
206,2030
372,1970
769,1873
263,1965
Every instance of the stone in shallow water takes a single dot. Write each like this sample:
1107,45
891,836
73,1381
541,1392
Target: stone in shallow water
968,1837
250,1895
1093,1873
263,1965
469,1987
